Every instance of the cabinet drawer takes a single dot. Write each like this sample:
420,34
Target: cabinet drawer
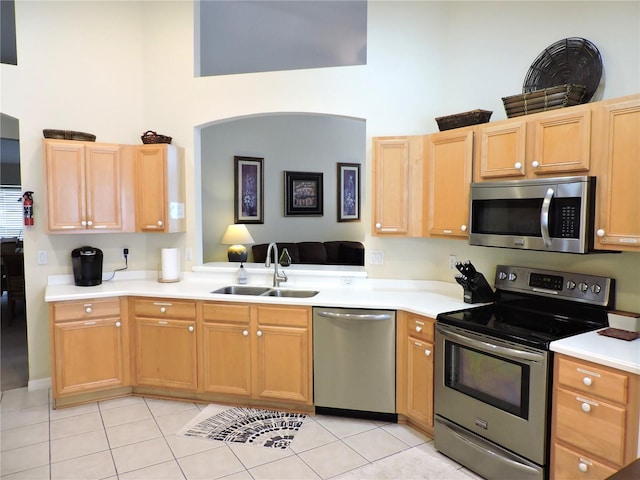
164,308
420,328
569,465
86,309
591,425
218,312
593,380
293,317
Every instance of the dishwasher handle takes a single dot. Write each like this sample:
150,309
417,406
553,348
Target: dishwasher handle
354,316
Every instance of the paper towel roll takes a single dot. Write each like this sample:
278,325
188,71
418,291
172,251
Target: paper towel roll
169,271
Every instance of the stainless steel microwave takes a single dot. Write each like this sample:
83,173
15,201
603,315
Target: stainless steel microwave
552,215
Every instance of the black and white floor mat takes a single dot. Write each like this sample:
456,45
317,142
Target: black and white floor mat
250,426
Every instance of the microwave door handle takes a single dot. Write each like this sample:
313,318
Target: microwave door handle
544,217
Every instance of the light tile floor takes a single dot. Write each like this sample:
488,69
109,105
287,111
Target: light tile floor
135,438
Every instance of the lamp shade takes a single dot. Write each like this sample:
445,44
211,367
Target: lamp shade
236,236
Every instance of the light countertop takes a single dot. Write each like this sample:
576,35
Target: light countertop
346,287
620,354
337,288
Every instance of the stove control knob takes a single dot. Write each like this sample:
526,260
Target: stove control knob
571,284
502,275
583,287
512,277
595,288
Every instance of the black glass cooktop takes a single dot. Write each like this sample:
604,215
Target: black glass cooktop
528,320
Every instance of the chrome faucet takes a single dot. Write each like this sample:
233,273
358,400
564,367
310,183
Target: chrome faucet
277,277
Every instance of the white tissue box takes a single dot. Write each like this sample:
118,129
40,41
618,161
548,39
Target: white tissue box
624,320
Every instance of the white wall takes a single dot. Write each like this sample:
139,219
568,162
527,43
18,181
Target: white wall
117,69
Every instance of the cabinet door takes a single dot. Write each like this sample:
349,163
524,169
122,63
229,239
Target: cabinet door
283,369
227,358
618,215
89,355
397,185
420,381
66,189
103,180
561,142
449,162
166,353
502,150
151,187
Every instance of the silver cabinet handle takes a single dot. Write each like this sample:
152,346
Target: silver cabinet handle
118,324
191,328
88,310
259,333
245,332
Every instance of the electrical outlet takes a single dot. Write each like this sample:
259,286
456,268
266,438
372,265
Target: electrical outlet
125,254
377,258
452,261
188,253
42,257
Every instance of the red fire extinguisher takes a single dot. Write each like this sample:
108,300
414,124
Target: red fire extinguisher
27,204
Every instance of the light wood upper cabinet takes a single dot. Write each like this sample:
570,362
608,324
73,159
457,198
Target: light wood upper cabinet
89,187
447,176
397,186
258,351
89,346
543,144
160,197
616,164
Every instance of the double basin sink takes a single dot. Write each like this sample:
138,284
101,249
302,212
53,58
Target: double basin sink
265,291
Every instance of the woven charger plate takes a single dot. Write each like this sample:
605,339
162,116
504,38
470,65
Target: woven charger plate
570,60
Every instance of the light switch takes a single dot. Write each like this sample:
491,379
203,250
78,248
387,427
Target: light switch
42,257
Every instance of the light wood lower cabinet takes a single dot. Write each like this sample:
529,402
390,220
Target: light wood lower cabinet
165,344
414,391
594,420
89,346
258,351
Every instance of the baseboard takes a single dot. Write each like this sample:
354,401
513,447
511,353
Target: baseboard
39,384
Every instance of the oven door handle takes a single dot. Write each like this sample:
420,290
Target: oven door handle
512,353
544,217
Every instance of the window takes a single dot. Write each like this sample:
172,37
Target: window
11,221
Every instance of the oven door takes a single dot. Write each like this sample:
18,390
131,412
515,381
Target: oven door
493,388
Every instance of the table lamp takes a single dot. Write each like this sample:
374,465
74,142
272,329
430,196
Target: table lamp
236,236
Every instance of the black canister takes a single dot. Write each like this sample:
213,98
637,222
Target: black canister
87,266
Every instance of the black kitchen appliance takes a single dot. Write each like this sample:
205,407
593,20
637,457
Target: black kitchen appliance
87,266
493,368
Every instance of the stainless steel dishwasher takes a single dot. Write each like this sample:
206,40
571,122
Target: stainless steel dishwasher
354,361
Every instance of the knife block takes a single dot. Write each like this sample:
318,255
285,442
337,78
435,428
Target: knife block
480,291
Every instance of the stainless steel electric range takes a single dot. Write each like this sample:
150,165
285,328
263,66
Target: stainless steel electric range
493,368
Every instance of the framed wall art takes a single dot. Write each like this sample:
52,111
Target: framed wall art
248,190
303,194
348,192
